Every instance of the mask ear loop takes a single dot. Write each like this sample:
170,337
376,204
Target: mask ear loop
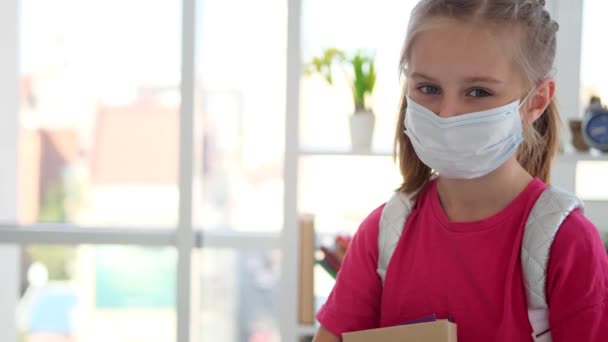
550,74
533,91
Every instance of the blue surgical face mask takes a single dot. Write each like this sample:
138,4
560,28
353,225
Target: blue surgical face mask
465,146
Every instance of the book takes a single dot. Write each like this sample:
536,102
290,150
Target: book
306,299
328,268
428,331
331,259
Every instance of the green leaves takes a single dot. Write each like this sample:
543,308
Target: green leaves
323,64
363,72
365,78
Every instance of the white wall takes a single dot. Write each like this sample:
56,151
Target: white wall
569,15
8,163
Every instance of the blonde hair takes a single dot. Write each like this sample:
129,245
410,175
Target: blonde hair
534,54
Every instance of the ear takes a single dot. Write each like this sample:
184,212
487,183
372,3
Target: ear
540,99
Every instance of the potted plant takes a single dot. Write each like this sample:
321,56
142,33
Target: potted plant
362,78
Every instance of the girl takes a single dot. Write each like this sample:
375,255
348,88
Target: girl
475,180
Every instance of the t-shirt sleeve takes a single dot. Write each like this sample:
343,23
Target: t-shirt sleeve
354,302
577,283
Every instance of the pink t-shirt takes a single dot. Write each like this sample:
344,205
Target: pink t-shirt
472,272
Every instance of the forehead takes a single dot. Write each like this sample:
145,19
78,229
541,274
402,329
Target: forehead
449,47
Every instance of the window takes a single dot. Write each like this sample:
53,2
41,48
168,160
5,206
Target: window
99,112
593,65
239,295
97,293
98,132
239,134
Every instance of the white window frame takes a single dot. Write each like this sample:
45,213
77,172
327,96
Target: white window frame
9,86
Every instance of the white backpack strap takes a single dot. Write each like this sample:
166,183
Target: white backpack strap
547,215
395,213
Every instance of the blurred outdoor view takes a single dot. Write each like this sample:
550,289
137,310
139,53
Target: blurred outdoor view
99,139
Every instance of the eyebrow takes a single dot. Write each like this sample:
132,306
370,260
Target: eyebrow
475,79
482,79
423,76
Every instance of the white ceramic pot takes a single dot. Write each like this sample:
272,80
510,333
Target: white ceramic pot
362,130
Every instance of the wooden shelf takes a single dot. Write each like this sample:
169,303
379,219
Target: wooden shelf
319,151
574,156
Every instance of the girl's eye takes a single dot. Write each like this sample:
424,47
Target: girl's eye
478,93
429,90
